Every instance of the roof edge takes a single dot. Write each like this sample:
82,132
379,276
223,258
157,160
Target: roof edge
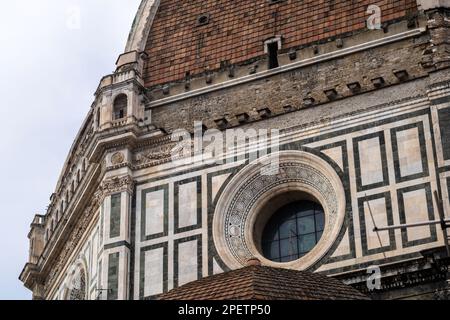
142,23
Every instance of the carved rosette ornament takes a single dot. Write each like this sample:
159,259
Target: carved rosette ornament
117,158
250,191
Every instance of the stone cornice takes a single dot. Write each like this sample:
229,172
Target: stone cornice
30,275
289,67
141,27
109,83
79,228
432,4
86,200
130,135
69,221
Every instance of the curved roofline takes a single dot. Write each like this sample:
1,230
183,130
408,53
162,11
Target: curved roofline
142,23
71,155
137,40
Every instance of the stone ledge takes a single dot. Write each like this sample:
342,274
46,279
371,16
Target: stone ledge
433,4
293,66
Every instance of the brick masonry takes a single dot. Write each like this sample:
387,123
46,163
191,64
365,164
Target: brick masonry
237,30
290,89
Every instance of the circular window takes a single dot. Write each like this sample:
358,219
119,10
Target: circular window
255,212
293,231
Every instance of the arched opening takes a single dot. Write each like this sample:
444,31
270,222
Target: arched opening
120,107
78,285
251,199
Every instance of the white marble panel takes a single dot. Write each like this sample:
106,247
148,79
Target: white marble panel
216,268
154,271
416,210
378,209
217,182
154,212
187,262
187,201
370,161
343,247
410,158
336,155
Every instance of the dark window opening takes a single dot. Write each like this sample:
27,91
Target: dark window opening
115,215
120,107
273,55
293,231
203,20
98,117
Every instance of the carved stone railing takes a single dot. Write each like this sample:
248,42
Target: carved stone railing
119,122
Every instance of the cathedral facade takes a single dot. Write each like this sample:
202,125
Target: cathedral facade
284,130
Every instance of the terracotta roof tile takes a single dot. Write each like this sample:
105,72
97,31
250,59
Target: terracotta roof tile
265,283
237,29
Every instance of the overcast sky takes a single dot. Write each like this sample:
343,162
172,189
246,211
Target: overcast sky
51,64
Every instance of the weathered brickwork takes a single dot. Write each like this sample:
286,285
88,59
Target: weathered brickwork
237,30
290,89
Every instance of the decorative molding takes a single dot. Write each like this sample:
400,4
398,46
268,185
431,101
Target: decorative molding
116,185
141,27
154,154
249,191
433,4
107,187
117,158
73,241
289,67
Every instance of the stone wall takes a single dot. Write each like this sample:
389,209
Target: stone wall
385,146
287,91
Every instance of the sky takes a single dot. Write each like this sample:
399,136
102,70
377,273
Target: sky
53,54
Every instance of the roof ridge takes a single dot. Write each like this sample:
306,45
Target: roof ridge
264,282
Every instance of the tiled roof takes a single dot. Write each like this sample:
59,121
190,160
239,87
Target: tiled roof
265,283
237,30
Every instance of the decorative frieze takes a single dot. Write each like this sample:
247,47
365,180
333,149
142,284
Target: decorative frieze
154,155
107,187
251,192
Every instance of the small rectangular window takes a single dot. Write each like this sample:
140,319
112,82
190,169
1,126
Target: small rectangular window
114,227
119,114
273,55
113,276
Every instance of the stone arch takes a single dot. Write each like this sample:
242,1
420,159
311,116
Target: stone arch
248,194
120,107
77,282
